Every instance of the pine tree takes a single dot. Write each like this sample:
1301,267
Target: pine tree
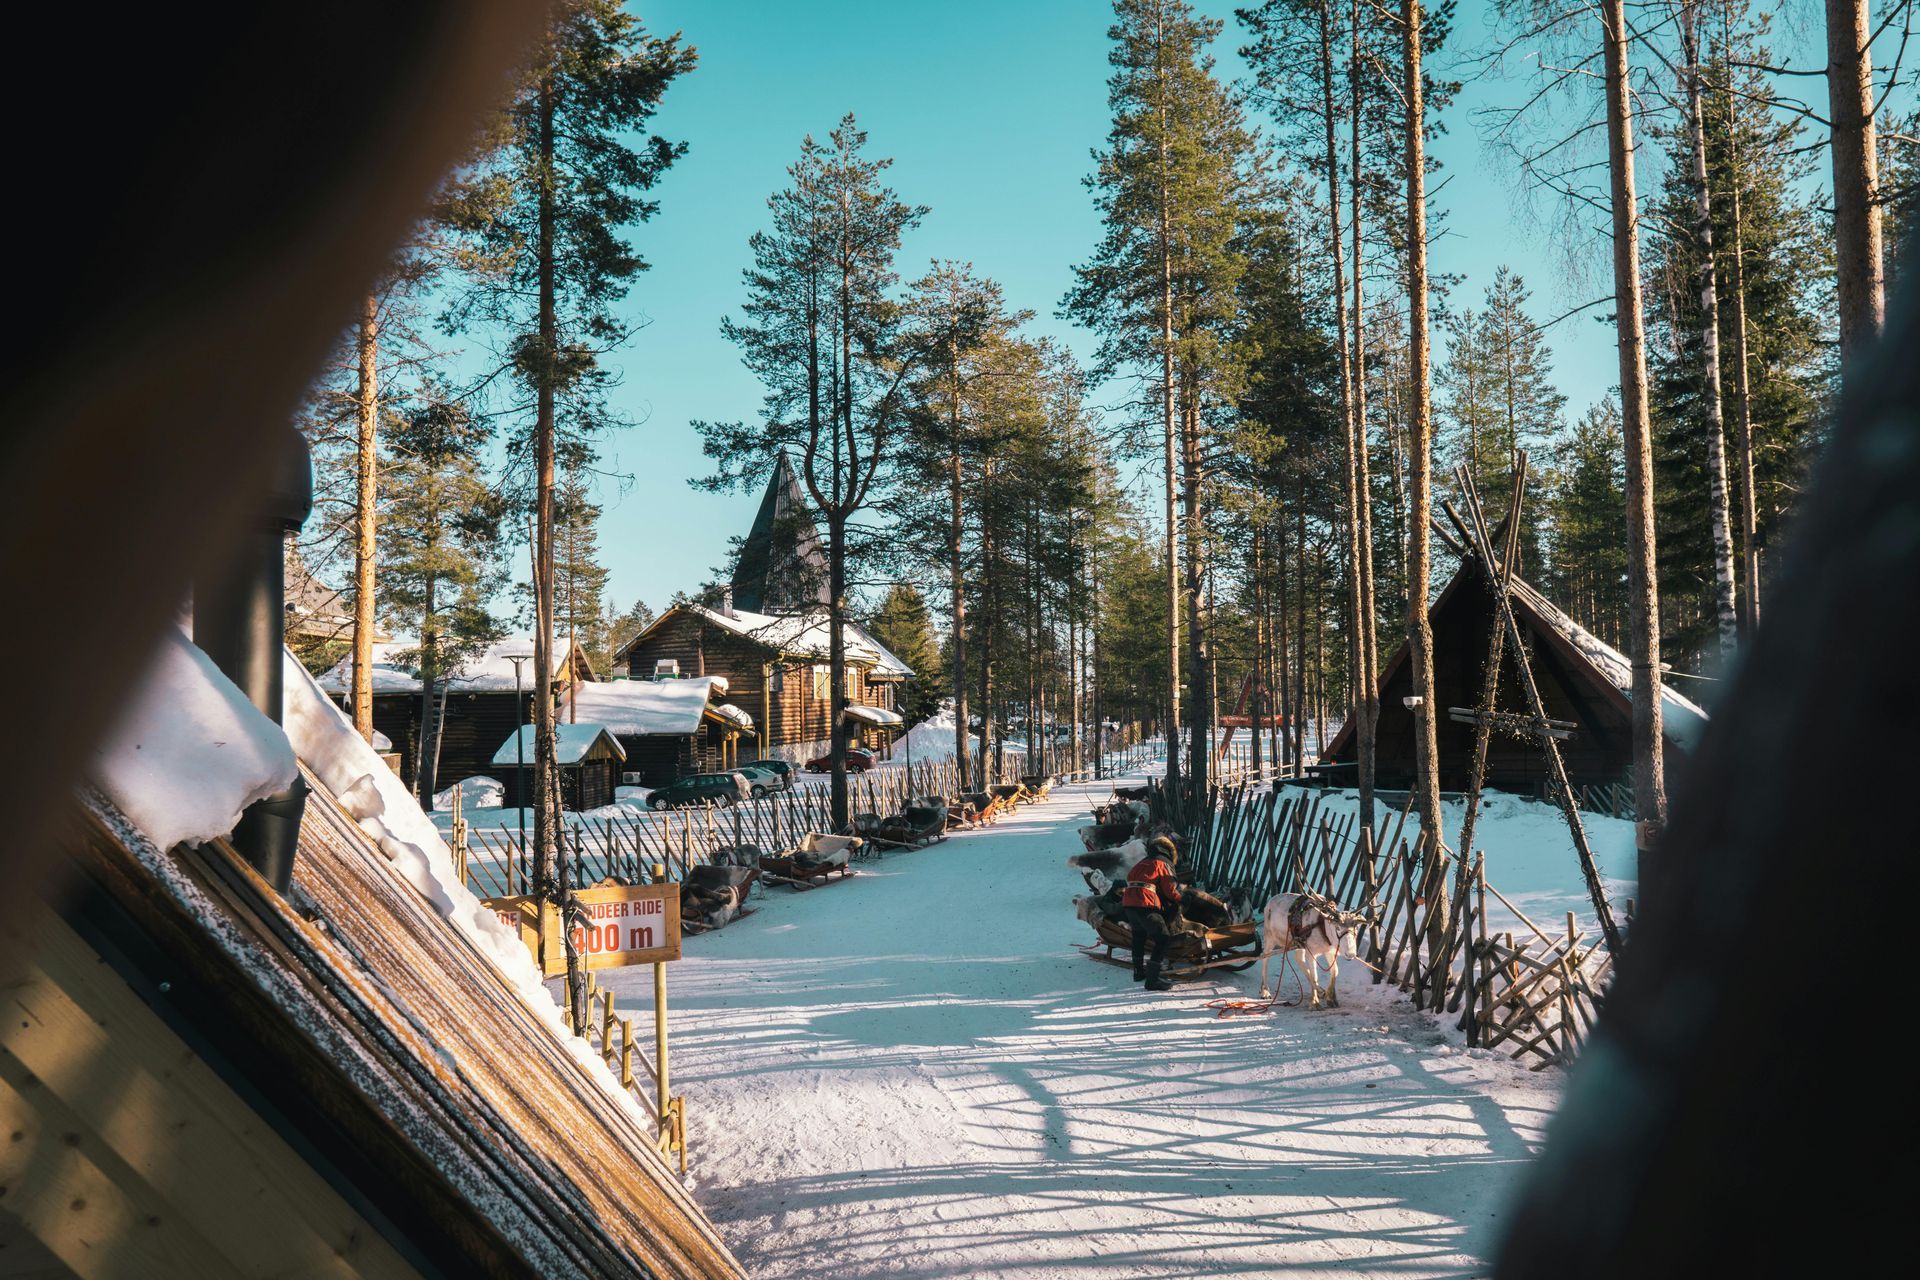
623,627
541,217
964,325
1773,331
1499,399
1160,287
1585,523
579,580
902,624
824,335
440,544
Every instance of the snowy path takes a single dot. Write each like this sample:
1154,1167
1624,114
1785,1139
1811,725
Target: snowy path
914,1074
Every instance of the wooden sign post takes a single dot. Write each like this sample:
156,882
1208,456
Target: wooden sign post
616,926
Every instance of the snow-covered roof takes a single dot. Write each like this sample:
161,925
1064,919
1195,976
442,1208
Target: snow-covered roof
491,671
874,715
640,707
572,742
806,636
1681,719
190,753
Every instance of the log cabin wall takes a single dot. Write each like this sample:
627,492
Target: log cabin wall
798,719
477,723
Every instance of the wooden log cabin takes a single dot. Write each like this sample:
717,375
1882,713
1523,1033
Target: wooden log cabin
482,709
1582,679
768,639
667,728
588,758
775,669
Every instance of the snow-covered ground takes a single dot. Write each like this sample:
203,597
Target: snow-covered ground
915,1074
1529,850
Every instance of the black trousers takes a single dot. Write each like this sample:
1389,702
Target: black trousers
1149,928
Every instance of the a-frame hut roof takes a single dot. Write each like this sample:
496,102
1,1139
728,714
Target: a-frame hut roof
1581,677
781,567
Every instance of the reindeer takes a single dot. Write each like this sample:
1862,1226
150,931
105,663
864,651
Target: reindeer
1316,925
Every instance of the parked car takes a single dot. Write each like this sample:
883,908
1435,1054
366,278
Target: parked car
858,761
761,779
780,770
697,788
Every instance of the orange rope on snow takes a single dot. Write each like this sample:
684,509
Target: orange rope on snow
1246,1008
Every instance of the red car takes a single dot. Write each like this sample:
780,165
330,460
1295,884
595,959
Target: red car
858,761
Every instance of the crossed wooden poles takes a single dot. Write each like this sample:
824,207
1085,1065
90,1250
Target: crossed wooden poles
1476,540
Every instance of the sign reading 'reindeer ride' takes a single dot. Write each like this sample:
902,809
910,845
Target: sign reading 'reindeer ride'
615,926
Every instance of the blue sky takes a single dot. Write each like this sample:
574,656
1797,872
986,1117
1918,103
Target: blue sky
990,110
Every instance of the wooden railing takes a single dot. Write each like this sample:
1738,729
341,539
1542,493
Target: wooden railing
1430,934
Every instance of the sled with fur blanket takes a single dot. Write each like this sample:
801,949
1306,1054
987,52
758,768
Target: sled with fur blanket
921,823
817,860
1192,953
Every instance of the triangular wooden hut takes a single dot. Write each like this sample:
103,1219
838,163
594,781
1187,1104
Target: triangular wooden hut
1582,679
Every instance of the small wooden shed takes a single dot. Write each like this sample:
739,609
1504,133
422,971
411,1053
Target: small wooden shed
589,757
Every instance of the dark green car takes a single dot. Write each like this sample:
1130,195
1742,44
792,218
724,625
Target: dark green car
697,789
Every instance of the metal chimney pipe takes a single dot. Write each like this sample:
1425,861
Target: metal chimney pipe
239,621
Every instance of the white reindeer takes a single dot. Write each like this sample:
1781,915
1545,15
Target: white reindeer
1312,924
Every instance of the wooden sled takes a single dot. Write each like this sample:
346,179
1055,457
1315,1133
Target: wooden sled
695,926
980,808
717,879
914,827
1037,786
1232,947
1008,794
817,860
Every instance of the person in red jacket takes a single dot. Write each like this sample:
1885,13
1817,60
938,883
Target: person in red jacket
1152,902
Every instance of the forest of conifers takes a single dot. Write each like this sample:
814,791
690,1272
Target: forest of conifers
1273,356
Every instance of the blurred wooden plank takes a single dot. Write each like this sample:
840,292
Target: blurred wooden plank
89,1041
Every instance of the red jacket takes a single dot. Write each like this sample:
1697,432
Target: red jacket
1151,884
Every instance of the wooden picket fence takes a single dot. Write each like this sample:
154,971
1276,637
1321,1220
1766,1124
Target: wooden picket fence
1536,997
625,846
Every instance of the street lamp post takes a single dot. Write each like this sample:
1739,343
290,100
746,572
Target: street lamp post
520,742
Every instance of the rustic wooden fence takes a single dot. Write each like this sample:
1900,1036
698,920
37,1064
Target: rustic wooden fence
626,845
1515,985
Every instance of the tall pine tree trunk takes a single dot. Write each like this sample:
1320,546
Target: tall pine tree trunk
543,430
1200,661
1426,750
1856,210
1366,733
957,575
1725,609
1357,660
1172,468
1643,587
366,465
837,664
1742,389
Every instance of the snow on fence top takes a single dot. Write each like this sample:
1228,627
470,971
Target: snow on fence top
646,707
191,753
396,668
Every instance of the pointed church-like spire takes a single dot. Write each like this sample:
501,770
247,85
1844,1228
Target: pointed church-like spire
782,568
